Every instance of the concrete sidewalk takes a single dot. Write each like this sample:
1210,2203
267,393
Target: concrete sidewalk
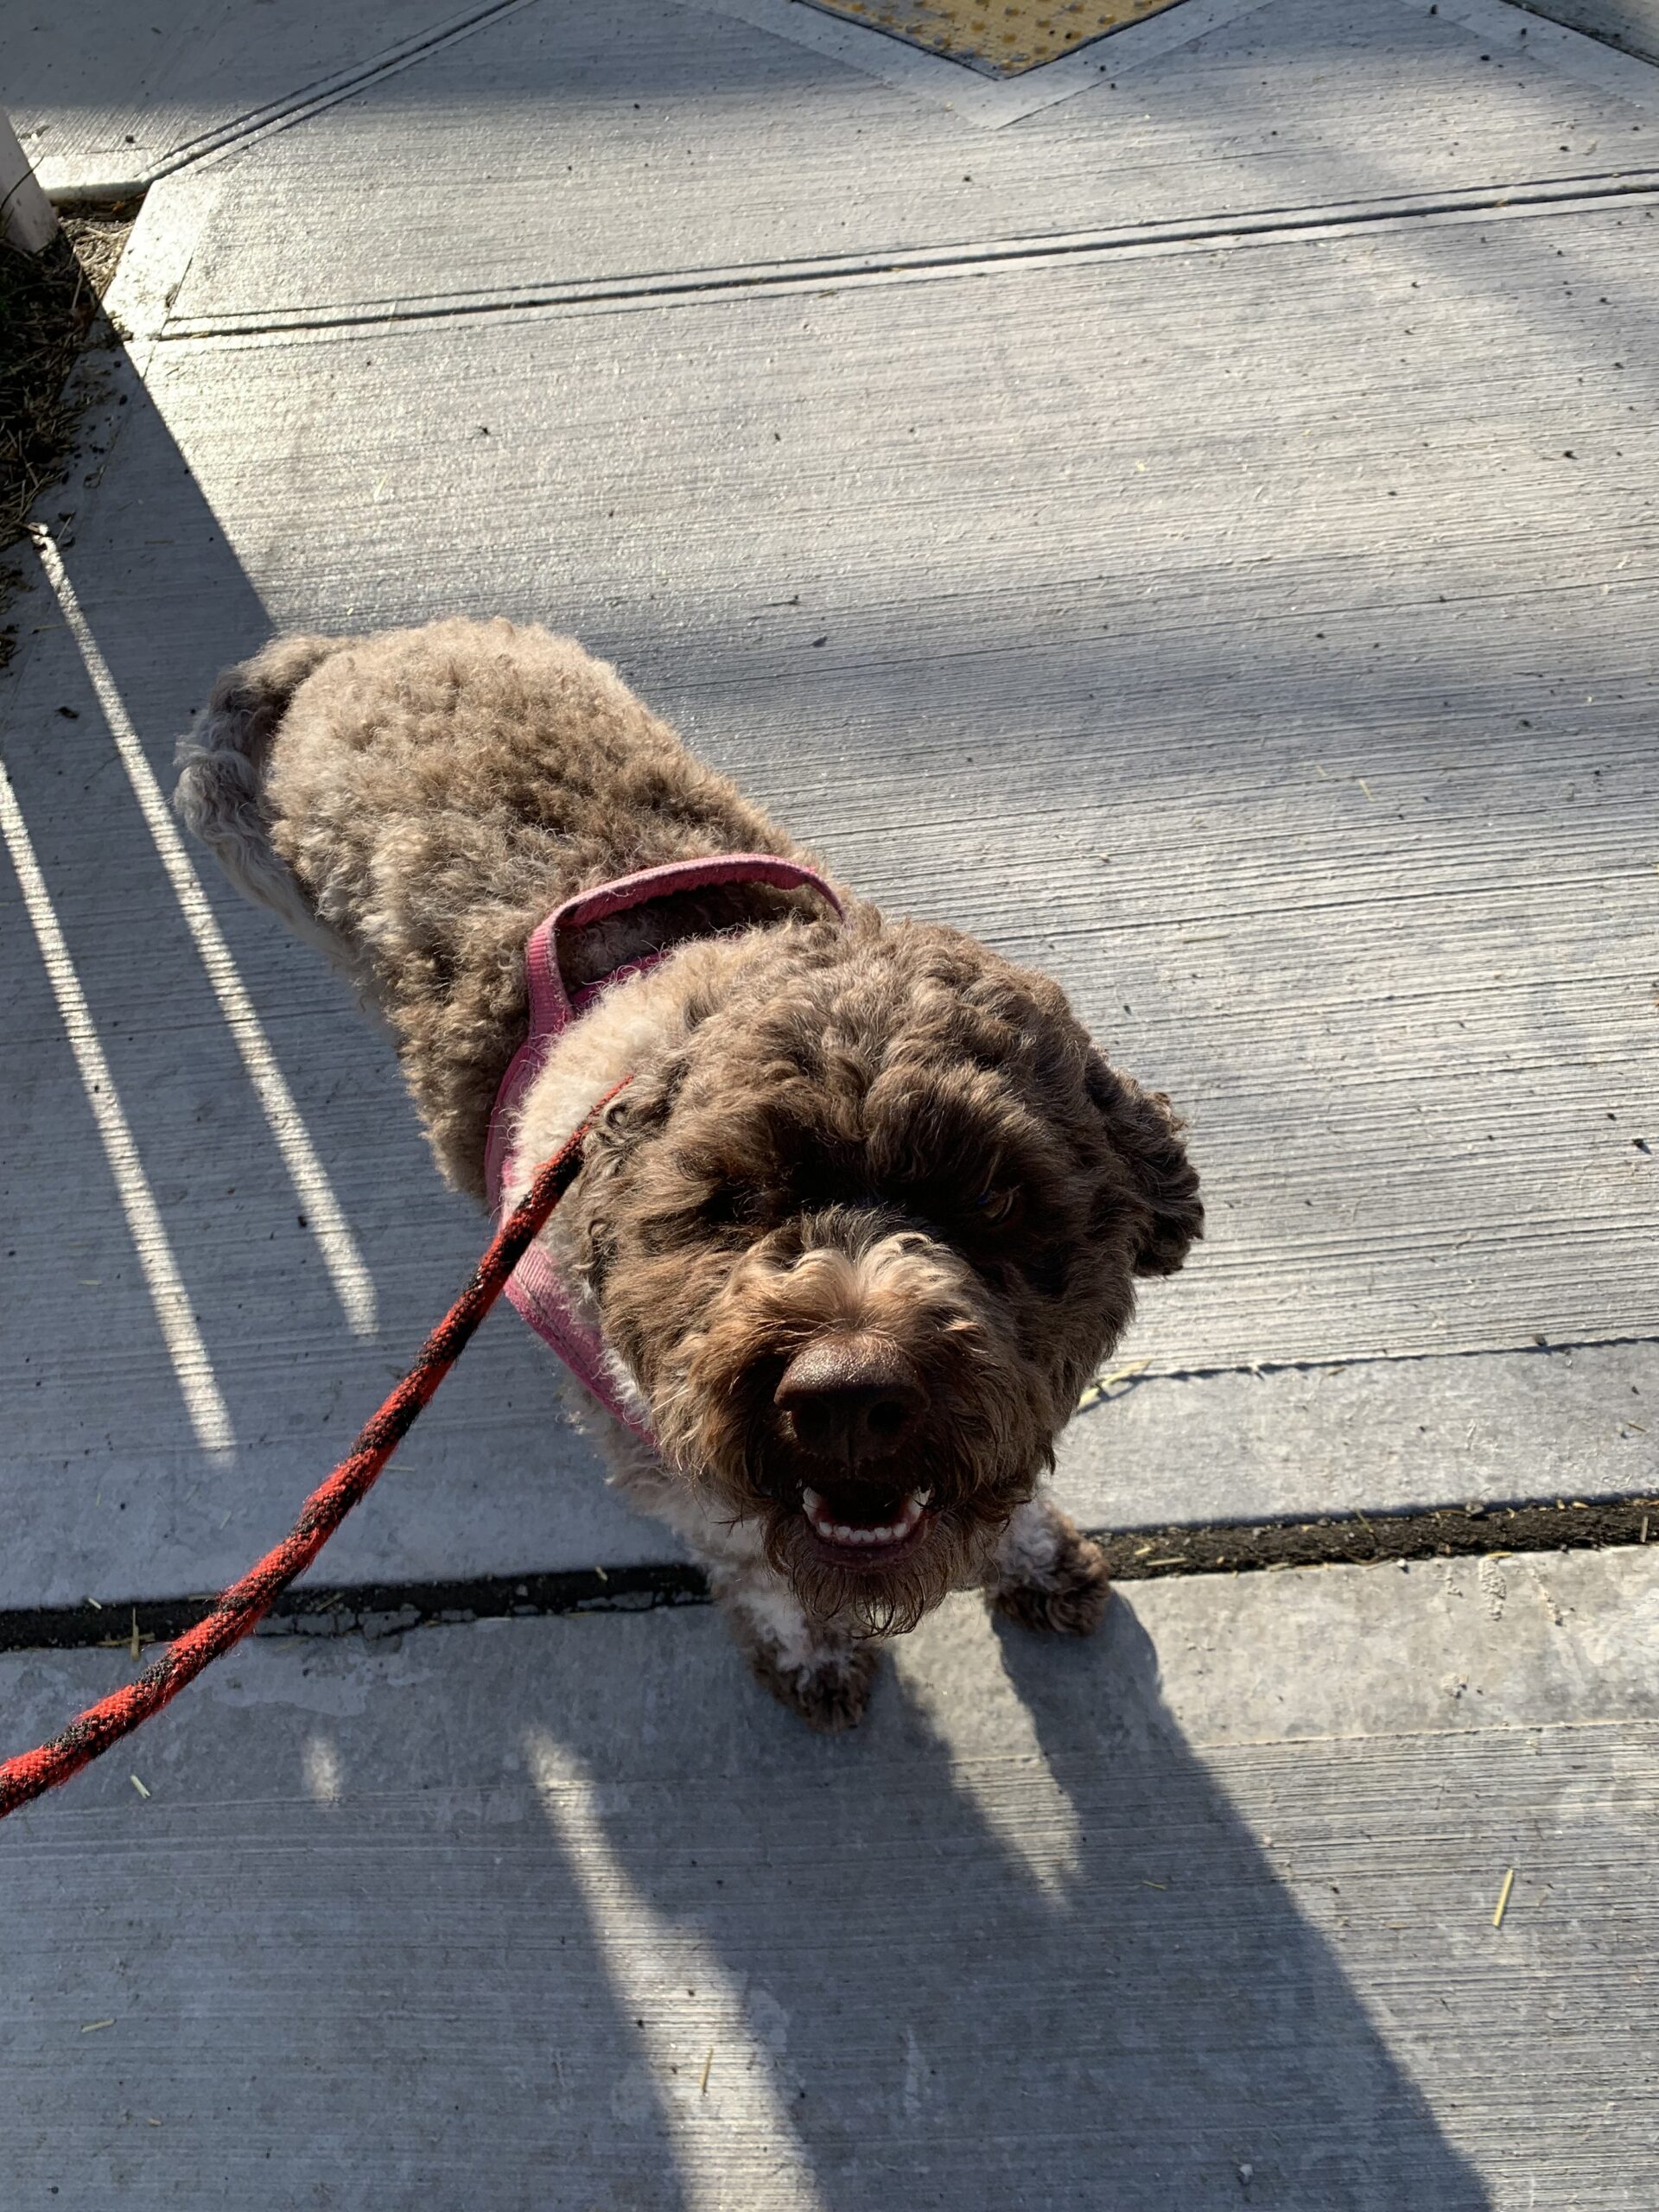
1191,521
1199,1915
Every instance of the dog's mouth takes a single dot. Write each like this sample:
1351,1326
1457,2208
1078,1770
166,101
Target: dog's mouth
850,1530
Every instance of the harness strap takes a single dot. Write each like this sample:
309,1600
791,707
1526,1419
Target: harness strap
535,1288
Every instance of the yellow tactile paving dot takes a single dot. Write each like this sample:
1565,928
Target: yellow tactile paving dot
1005,37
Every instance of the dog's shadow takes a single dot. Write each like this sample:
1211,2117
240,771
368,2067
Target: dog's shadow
1057,1976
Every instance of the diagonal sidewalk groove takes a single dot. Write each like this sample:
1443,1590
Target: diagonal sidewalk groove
240,128
240,132
734,186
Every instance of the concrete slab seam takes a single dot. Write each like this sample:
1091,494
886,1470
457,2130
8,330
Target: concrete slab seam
716,287
1549,1349
1231,1548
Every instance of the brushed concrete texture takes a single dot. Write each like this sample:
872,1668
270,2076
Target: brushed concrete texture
1241,1448
102,94
1311,750
605,147
1275,679
1255,636
1256,639
566,1913
1631,24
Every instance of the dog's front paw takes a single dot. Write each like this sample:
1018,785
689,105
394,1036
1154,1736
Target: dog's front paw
830,1691
1060,1585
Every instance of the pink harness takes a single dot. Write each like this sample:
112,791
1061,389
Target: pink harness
534,1286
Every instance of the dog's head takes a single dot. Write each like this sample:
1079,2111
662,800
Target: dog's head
863,1238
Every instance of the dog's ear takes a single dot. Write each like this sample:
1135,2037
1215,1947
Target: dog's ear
638,1113
1145,1134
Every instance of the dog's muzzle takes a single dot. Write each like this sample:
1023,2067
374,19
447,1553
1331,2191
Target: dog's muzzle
850,1401
847,1407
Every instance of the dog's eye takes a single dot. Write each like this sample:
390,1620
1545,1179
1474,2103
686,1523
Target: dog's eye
998,1205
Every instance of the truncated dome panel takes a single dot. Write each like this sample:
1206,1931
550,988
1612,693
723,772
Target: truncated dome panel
1002,38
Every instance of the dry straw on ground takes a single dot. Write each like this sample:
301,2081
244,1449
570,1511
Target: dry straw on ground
48,312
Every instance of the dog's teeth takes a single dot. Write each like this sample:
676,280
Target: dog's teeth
841,1532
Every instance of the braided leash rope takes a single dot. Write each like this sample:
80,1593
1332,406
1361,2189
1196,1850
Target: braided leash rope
238,1612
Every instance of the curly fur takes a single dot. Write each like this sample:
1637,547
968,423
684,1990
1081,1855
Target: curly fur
881,1133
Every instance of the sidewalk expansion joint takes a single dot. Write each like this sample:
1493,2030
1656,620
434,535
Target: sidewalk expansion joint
307,100
379,1610
1143,1374
836,273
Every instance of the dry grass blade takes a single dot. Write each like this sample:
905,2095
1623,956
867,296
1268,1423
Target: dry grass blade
1104,1385
1504,1899
48,306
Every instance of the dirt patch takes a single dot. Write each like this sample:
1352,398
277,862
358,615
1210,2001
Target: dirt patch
375,1609
48,312
388,1609
1356,1540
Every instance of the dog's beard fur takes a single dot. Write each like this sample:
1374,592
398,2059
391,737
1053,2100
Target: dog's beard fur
885,1134
978,1449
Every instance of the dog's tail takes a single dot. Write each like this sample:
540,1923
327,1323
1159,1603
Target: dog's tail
219,795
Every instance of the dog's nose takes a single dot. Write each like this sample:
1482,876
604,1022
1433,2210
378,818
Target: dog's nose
851,1398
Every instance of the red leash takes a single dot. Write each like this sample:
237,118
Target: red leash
246,1604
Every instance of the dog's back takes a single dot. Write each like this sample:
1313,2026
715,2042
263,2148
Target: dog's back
413,804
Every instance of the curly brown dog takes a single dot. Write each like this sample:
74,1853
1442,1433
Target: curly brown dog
867,1216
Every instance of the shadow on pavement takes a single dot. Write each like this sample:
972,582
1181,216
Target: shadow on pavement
170,1055
1060,1979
